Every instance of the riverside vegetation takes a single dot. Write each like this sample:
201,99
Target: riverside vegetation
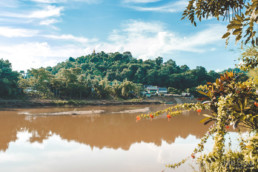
101,75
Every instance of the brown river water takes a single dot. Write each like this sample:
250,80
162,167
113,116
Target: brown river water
96,139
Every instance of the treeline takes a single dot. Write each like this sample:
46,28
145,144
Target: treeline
102,75
120,66
73,83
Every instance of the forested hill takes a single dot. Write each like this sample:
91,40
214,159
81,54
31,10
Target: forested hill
98,75
121,66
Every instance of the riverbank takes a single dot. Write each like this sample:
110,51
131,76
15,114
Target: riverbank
27,103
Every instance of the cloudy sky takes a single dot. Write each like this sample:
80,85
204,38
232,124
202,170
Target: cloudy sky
35,33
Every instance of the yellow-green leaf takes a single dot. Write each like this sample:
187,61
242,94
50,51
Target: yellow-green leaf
237,31
205,119
225,35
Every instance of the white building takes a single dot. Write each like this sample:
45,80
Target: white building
162,90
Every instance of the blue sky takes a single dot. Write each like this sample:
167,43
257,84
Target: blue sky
35,33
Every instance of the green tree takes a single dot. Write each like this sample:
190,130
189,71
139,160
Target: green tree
128,88
159,61
8,80
120,66
40,80
102,88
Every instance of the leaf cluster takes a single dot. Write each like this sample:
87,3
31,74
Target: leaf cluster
242,16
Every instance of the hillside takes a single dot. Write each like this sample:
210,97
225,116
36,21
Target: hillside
121,66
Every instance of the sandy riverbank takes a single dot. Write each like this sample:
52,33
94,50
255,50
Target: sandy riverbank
46,103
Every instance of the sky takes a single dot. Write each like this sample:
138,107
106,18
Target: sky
41,33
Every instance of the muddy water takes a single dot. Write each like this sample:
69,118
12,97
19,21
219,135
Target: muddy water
95,139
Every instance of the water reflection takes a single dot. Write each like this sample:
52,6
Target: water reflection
106,130
86,141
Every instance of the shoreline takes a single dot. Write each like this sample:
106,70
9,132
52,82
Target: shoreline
33,103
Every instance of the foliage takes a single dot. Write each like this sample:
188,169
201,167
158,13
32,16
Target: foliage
249,59
121,66
8,80
242,14
254,74
40,80
242,96
232,100
73,83
173,90
84,77
231,103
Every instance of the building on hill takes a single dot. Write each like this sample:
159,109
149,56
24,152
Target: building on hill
162,91
155,90
151,89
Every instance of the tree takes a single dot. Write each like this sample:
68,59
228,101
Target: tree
8,80
159,61
242,16
184,68
40,80
69,81
118,66
249,59
102,88
128,89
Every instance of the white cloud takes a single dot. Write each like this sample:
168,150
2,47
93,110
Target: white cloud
48,1
135,26
17,32
140,1
69,37
173,7
46,12
48,22
44,1
9,4
37,54
218,70
65,1
144,39
49,11
152,39
86,1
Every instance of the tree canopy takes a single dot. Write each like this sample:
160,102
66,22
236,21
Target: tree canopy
8,80
121,66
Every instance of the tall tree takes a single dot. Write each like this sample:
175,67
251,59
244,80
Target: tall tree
8,80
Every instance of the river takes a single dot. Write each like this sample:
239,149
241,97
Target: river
96,138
